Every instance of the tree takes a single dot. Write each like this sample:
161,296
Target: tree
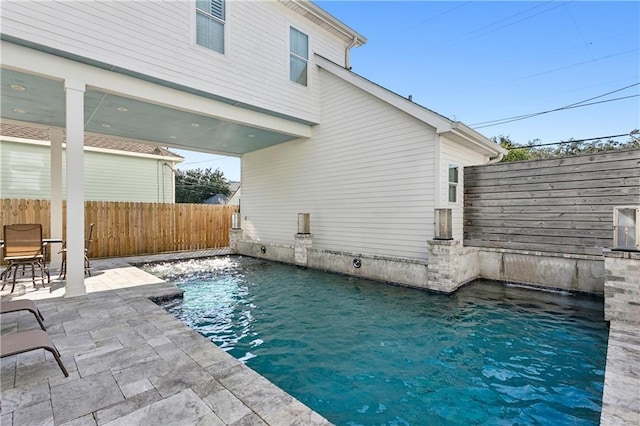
196,185
533,150
516,152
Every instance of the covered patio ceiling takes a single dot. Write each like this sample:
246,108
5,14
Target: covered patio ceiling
29,98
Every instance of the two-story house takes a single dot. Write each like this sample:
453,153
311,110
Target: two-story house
268,81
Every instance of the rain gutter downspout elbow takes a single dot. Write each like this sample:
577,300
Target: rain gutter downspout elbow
347,53
496,159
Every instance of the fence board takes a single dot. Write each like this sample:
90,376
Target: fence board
128,228
560,205
532,179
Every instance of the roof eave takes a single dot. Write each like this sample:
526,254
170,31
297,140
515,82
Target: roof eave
465,134
310,10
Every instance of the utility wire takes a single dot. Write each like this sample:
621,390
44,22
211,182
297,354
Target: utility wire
554,110
572,141
524,117
464,37
514,22
429,19
566,106
579,104
605,94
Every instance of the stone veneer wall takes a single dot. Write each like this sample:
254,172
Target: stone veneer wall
407,272
449,266
622,286
570,272
621,396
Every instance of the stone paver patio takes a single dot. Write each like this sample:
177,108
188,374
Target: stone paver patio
130,362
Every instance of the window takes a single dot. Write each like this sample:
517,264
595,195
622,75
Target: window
210,24
298,56
453,184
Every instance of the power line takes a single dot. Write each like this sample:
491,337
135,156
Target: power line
430,19
579,104
473,36
572,141
514,22
572,65
554,110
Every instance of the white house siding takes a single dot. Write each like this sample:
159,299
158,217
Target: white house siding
158,39
25,173
24,169
452,153
110,177
366,177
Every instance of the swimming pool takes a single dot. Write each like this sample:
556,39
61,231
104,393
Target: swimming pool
361,352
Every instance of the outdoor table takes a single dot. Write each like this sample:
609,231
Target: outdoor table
45,242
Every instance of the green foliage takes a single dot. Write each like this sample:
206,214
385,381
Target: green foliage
196,185
516,152
532,150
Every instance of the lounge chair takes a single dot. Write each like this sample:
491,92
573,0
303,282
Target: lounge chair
23,246
23,305
26,341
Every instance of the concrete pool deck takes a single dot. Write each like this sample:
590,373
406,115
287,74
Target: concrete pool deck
130,362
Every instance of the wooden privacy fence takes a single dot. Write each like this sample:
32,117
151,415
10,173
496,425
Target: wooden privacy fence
562,205
127,228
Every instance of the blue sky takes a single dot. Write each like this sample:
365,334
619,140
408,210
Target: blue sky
478,62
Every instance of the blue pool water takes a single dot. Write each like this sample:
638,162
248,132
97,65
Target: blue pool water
361,352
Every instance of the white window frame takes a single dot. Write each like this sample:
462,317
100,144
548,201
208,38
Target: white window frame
194,17
453,184
306,60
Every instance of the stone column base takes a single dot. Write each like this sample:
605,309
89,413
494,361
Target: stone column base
442,267
235,235
303,242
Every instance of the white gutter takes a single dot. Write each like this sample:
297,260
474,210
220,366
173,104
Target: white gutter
465,132
324,16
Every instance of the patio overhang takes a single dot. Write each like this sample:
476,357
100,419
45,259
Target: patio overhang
47,88
121,105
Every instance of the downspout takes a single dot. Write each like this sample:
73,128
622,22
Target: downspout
496,159
347,53
173,179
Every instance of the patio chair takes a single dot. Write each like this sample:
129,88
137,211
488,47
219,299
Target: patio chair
23,305
87,247
23,246
26,341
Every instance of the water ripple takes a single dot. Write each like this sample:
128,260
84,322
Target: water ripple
361,352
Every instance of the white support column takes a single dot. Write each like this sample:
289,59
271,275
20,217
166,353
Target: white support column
74,91
55,136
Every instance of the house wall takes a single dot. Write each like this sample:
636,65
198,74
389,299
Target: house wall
158,39
25,173
366,177
452,153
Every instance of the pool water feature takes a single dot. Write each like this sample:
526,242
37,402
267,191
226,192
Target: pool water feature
361,352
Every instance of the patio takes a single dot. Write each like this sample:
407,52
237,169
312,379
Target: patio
130,362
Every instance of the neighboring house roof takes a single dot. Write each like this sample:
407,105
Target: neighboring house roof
216,199
125,145
235,198
233,186
454,130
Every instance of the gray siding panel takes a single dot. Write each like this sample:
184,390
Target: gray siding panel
561,205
